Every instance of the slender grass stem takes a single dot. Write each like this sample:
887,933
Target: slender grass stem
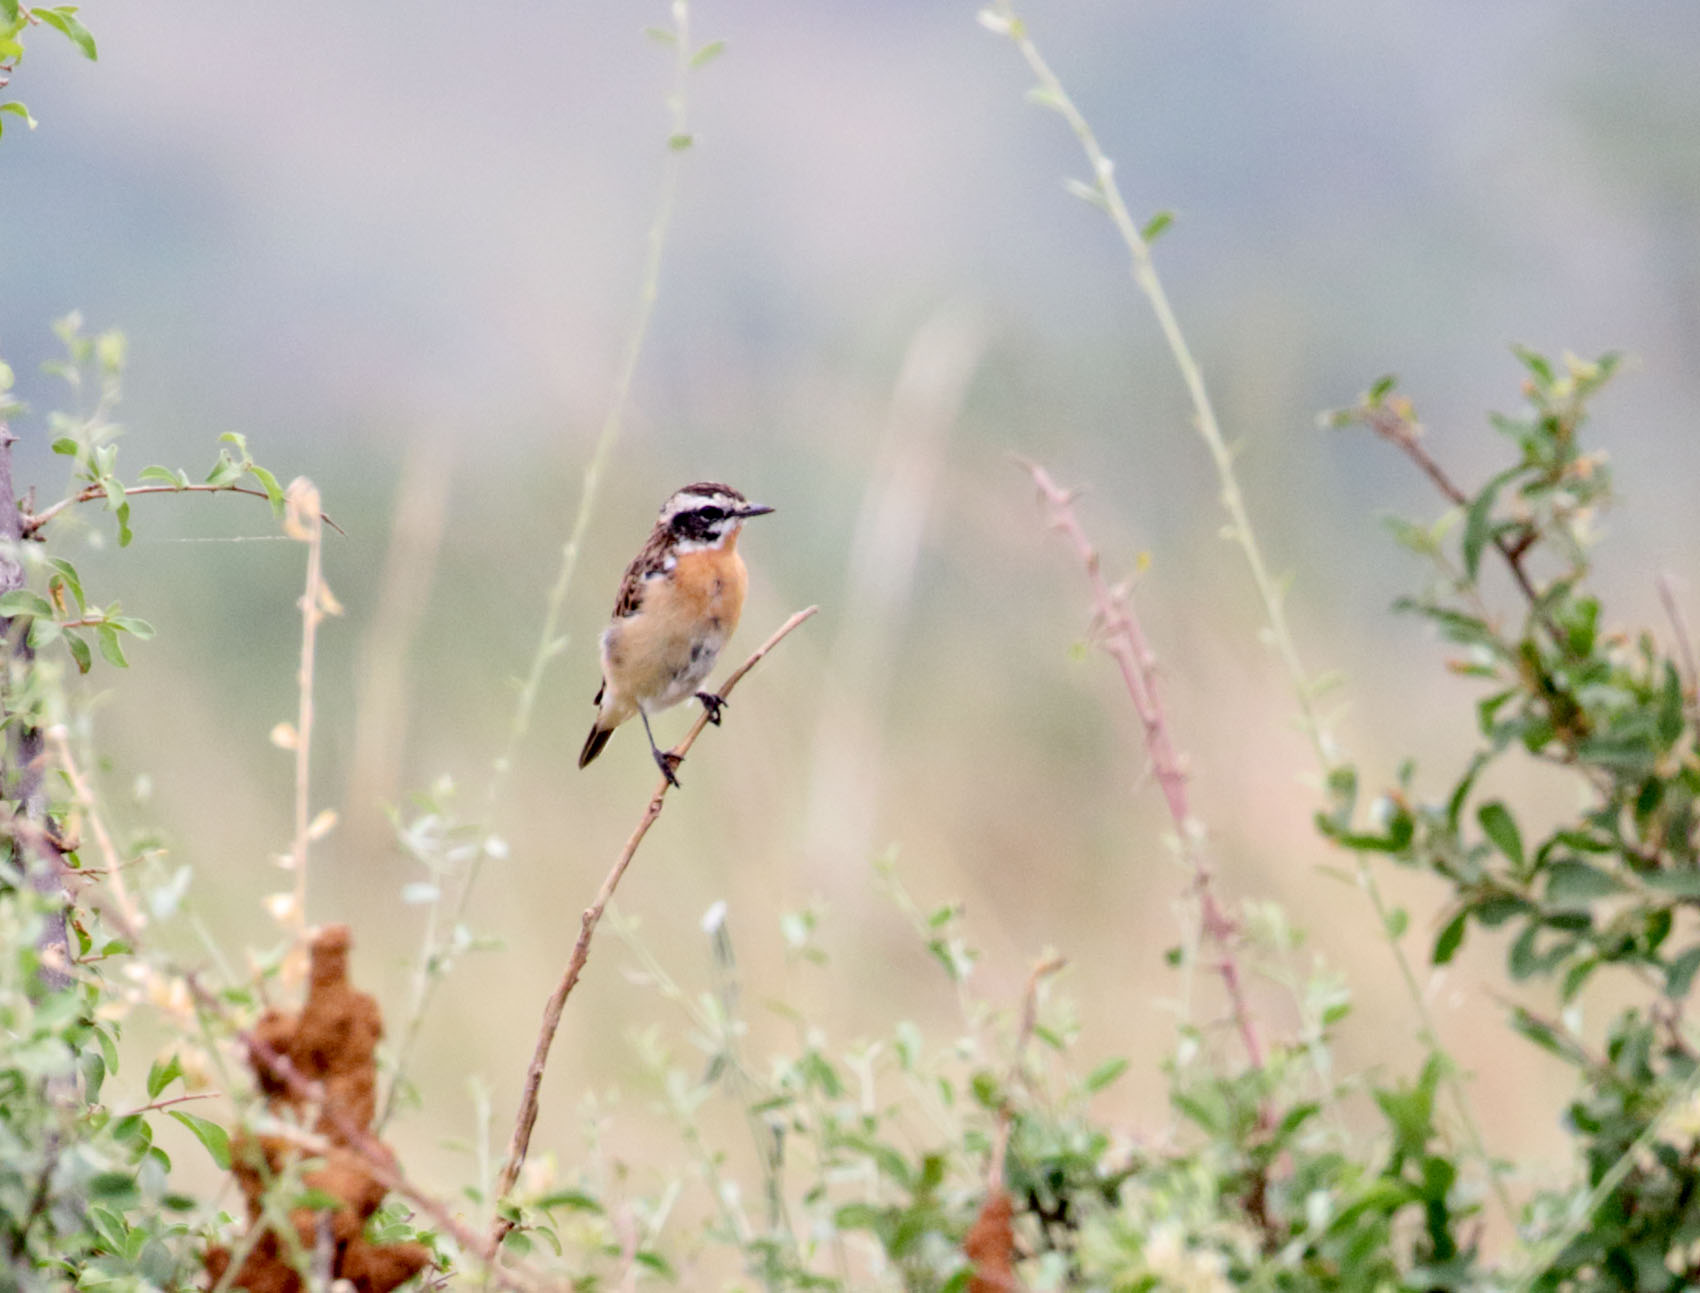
550,642
304,522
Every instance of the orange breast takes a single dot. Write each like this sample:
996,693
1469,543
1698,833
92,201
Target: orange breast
707,589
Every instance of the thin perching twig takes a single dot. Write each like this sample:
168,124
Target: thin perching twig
1124,641
89,494
526,1118
171,1100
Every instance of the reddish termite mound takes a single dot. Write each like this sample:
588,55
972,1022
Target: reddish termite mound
329,1048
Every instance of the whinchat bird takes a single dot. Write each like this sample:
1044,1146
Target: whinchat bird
679,602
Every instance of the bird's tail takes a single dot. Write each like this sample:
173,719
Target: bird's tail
594,742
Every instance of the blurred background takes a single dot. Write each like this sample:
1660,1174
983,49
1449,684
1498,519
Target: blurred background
401,251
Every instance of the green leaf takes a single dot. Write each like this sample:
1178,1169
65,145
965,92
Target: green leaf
94,1075
1543,1034
15,107
1414,538
1671,716
1582,625
73,581
1155,226
119,502
1478,524
661,35
9,10
1679,884
160,475
226,471
109,645
818,1073
162,1074
1295,1118
1461,795
210,1134
1501,907
1575,977
1105,1074
268,482
708,53
679,142
1500,827
858,1216
1679,975
656,1262
1536,363
21,601
576,1200
64,19
108,1185
1398,920
137,628
78,646
1523,960
1451,939
1574,883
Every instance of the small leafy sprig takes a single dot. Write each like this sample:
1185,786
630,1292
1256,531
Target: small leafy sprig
15,19
95,464
89,439
59,609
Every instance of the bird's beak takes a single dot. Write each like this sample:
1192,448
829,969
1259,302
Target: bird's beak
754,509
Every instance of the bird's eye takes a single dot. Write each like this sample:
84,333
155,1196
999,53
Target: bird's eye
712,514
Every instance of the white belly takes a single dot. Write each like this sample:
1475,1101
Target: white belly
691,669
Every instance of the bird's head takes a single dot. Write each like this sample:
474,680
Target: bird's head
706,514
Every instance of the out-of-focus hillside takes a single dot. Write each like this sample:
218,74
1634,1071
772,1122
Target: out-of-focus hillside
401,252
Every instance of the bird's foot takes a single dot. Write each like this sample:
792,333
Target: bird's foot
667,761
713,704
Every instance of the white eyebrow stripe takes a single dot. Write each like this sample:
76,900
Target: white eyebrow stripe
690,502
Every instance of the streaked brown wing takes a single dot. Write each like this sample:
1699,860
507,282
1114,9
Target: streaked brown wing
651,560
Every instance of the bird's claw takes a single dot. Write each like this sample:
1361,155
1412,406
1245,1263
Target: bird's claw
713,704
667,761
